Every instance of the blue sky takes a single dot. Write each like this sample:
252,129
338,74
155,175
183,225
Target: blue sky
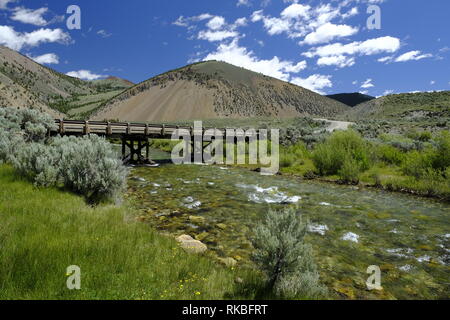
322,45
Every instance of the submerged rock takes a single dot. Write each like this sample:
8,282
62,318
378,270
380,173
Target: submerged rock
197,219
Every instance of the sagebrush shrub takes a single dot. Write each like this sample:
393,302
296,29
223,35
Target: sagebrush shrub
87,166
37,162
283,255
90,167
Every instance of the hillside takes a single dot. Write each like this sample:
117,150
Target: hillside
25,83
351,99
405,106
212,89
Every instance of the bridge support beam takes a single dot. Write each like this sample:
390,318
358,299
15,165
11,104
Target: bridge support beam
133,148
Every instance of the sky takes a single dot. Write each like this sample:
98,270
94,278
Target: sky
329,46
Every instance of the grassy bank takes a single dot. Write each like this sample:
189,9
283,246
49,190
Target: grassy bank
43,231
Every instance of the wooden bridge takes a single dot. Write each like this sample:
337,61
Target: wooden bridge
135,136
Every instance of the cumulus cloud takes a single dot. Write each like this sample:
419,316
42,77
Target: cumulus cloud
368,47
338,61
240,56
17,40
29,16
341,55
48,58
328,32
216,23
315,82
299,20
85,75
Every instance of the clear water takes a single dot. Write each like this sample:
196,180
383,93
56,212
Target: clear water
351,229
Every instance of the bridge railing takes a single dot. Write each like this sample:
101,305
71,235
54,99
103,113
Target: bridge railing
111,129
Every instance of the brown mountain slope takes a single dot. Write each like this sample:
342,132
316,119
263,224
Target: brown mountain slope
214,89
25,83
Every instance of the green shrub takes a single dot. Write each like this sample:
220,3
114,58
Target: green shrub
441,159
417,163
390,154
350,171
329,157
285,258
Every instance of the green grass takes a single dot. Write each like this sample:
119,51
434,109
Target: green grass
43,231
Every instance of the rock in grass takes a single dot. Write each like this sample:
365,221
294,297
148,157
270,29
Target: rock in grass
190,245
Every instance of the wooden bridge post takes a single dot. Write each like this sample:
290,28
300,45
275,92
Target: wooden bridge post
87,129
61,126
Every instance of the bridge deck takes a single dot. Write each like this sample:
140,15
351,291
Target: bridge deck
120,129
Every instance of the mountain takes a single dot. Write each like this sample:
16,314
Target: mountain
25,83
112,83
213,89
406,106
351,99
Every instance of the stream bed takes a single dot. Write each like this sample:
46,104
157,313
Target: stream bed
350,228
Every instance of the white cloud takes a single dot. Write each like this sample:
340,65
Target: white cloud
17,40
367,84
48,58
368,47
339,61
388,92
315,82
412,55
432,82
34,17
216,35
240,56
328,32
185,22
295,11
104,33
385,59
85,75
245,3
216,23
4,3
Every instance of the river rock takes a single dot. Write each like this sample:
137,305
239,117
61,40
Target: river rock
197,219
190,245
